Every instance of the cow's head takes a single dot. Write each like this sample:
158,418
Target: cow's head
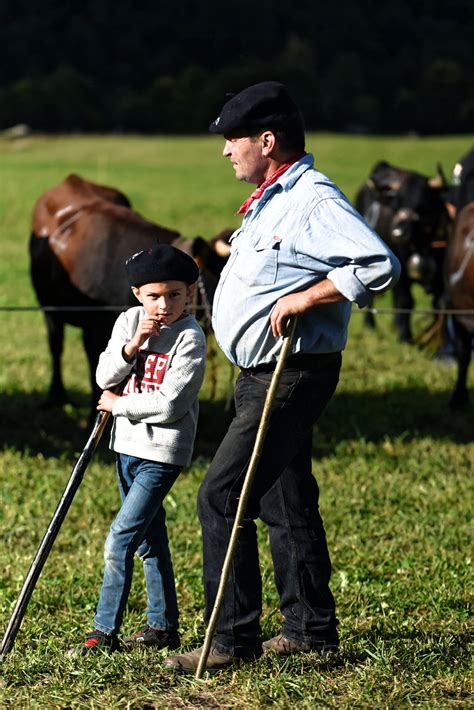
211,256
416,204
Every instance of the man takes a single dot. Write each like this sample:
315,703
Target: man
302,251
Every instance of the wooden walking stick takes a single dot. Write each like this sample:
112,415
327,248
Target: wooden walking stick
51,533
244,495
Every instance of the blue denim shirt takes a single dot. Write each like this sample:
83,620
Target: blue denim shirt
301,231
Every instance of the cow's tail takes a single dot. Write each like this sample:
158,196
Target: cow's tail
434,336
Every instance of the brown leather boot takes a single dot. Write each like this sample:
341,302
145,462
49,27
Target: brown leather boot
284,646
187,663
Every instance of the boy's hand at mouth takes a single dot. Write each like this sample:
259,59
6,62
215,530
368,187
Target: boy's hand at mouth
148,326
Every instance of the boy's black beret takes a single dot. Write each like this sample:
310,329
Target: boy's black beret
162,262
264,105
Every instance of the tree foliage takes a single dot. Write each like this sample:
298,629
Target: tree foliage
166,67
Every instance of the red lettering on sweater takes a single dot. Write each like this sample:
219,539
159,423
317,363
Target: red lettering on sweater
147,373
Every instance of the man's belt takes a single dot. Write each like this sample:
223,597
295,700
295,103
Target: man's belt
297,361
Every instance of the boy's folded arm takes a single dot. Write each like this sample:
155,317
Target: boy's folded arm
177,393
113,368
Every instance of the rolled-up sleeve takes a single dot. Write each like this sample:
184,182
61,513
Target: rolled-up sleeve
359,262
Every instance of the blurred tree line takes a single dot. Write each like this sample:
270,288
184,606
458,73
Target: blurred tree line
354,65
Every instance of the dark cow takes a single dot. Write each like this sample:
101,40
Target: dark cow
459,273
82,233
408,211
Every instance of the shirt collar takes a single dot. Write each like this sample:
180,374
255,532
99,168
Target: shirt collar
288,179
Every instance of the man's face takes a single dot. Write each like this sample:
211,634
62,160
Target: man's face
245,154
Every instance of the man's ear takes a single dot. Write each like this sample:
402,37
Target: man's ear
136,293
268,141
190,292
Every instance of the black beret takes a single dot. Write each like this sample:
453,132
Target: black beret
264,105
161,263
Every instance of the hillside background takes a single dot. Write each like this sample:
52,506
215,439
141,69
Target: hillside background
154,67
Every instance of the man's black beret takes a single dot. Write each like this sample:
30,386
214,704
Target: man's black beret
264,105
162,262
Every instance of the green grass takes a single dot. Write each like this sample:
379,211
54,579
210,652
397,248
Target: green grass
394,466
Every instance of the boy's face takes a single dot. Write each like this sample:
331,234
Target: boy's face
164,300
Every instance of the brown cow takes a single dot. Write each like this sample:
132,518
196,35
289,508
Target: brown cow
82,233
459,279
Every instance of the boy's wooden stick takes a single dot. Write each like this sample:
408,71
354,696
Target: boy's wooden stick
51,533
249,476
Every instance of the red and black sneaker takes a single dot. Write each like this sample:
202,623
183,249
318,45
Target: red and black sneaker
98,641
148,636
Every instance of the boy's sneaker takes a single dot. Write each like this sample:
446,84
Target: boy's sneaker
97,642
148,637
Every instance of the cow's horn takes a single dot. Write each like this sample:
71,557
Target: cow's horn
439,180
221,247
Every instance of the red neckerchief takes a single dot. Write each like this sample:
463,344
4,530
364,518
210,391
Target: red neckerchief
256,194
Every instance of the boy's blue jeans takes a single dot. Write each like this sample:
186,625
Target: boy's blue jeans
140,526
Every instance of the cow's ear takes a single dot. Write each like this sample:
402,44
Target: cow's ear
439,180
381,165
200,247
385,177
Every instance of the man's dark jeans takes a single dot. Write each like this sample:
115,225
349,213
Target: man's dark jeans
285,496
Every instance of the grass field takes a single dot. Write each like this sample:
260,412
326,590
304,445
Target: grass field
394,466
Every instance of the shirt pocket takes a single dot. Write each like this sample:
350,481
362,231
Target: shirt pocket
257,264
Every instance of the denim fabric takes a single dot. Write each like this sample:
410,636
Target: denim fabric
301,231
285,496
140,526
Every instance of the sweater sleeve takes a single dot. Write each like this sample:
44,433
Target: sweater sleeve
178,391
112,369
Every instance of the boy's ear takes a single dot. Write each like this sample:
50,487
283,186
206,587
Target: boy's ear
136,293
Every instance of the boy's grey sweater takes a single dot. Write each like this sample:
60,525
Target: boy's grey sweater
156,418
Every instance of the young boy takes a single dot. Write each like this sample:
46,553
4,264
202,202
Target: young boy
159,352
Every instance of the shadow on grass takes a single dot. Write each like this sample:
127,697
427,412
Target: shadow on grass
30,428
440,646
447,648
407,413
373,417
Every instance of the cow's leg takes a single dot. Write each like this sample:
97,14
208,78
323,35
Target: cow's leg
403,299
95,336
55,327
369,319
447,345
463,342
